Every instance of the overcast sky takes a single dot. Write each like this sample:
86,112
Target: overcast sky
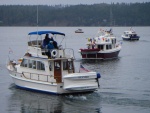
64,2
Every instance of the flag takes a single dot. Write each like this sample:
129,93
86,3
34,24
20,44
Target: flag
82,69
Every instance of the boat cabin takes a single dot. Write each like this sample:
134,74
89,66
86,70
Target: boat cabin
46,70
102,43
130,34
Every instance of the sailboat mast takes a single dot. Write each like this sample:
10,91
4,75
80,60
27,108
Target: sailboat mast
37,25
111,17
37,17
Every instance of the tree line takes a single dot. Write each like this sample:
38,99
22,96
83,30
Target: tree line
119,14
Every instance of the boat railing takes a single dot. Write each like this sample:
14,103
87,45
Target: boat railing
69,52
37,77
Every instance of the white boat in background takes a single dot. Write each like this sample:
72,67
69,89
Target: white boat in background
103,46
130,35
79,31
35,71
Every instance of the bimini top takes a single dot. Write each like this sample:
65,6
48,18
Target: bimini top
46,32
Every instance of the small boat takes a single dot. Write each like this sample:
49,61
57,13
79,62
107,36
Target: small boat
36,71
79,31
130,35
103,46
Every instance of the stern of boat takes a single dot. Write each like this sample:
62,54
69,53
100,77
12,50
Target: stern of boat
88,81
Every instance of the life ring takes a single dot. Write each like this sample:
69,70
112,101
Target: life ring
54,53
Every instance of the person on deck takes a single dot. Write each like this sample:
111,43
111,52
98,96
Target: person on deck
54,42
50,47
46,41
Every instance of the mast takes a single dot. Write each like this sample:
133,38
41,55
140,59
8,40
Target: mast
37,22
111,17
37,16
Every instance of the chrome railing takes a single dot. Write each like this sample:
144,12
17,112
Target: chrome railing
37,77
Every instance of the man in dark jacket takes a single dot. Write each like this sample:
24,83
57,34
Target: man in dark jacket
46,41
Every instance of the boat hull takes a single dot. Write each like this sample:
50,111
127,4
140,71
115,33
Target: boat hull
129,38
100,55
34,85
66,87
78,32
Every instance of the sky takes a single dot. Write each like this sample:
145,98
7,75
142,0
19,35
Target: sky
65,2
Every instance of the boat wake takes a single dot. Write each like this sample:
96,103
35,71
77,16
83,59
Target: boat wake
77,97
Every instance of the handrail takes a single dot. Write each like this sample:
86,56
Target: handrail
30,74
72,51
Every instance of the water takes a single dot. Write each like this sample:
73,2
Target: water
124,85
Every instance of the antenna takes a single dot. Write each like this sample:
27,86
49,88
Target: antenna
37,16
37,25
111,17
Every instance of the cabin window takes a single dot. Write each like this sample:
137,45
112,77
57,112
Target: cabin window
50,66
100,47
108,47
30,63
34,64
113,41
70,65
24,63
65,65
57,65
40,65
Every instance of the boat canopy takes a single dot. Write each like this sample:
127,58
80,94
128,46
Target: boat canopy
46,32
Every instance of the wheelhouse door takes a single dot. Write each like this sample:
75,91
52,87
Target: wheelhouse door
57,71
